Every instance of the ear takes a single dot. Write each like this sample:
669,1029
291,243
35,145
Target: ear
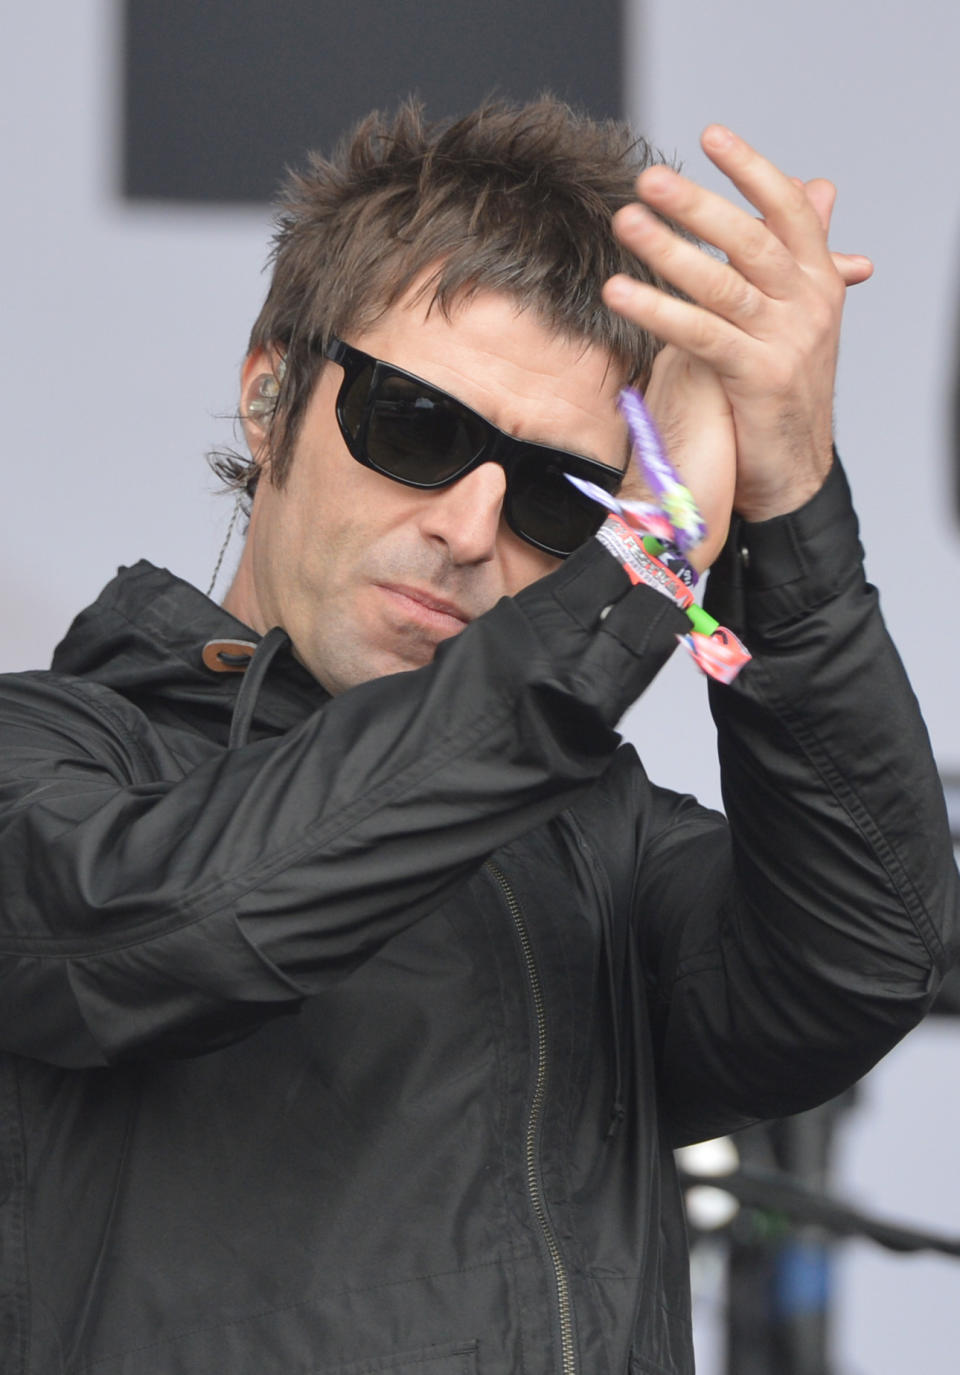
259,386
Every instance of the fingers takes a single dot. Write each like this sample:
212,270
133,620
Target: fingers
695,330
766,320
790,212
852,267
822,195
714,284
747,242
781,257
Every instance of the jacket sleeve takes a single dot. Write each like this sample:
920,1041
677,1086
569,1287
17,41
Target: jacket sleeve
144,916
791,950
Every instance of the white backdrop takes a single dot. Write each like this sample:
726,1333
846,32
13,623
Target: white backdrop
867,94
126,330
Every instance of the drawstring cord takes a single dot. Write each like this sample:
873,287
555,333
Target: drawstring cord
263,656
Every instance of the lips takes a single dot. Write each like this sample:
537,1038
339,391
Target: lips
426,608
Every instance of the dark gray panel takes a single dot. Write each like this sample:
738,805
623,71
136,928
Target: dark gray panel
221,95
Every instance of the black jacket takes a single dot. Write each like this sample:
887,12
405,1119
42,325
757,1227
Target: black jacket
361,1045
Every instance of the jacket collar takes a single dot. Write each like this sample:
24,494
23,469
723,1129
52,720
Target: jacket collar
144,637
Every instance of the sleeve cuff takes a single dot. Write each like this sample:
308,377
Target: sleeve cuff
771,573
591,589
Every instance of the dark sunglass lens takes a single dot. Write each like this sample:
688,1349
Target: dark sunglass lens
418,435
547,509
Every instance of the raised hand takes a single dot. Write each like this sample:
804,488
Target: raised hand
766,321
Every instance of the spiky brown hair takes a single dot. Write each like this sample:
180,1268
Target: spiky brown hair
510,198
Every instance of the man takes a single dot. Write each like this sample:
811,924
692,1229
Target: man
356,983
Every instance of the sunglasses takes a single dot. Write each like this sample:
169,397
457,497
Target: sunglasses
413,432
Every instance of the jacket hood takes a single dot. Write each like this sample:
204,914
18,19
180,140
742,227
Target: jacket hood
144,637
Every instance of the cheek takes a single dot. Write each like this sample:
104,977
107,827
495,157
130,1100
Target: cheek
321,511
522,564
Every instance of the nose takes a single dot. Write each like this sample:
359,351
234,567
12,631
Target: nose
466,515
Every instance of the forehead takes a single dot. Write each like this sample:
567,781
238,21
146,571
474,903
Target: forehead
511,367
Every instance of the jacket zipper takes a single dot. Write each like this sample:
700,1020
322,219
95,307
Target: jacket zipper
534,1183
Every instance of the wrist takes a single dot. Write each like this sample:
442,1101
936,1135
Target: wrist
768,502
783,466
773,573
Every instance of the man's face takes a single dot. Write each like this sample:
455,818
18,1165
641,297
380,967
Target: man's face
367,576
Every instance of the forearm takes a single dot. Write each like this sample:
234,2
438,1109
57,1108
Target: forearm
149,913
829,696
838,897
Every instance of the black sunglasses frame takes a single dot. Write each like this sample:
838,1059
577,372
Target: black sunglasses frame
497,446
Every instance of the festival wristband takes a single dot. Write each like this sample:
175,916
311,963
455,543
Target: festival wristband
651,542
639,564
